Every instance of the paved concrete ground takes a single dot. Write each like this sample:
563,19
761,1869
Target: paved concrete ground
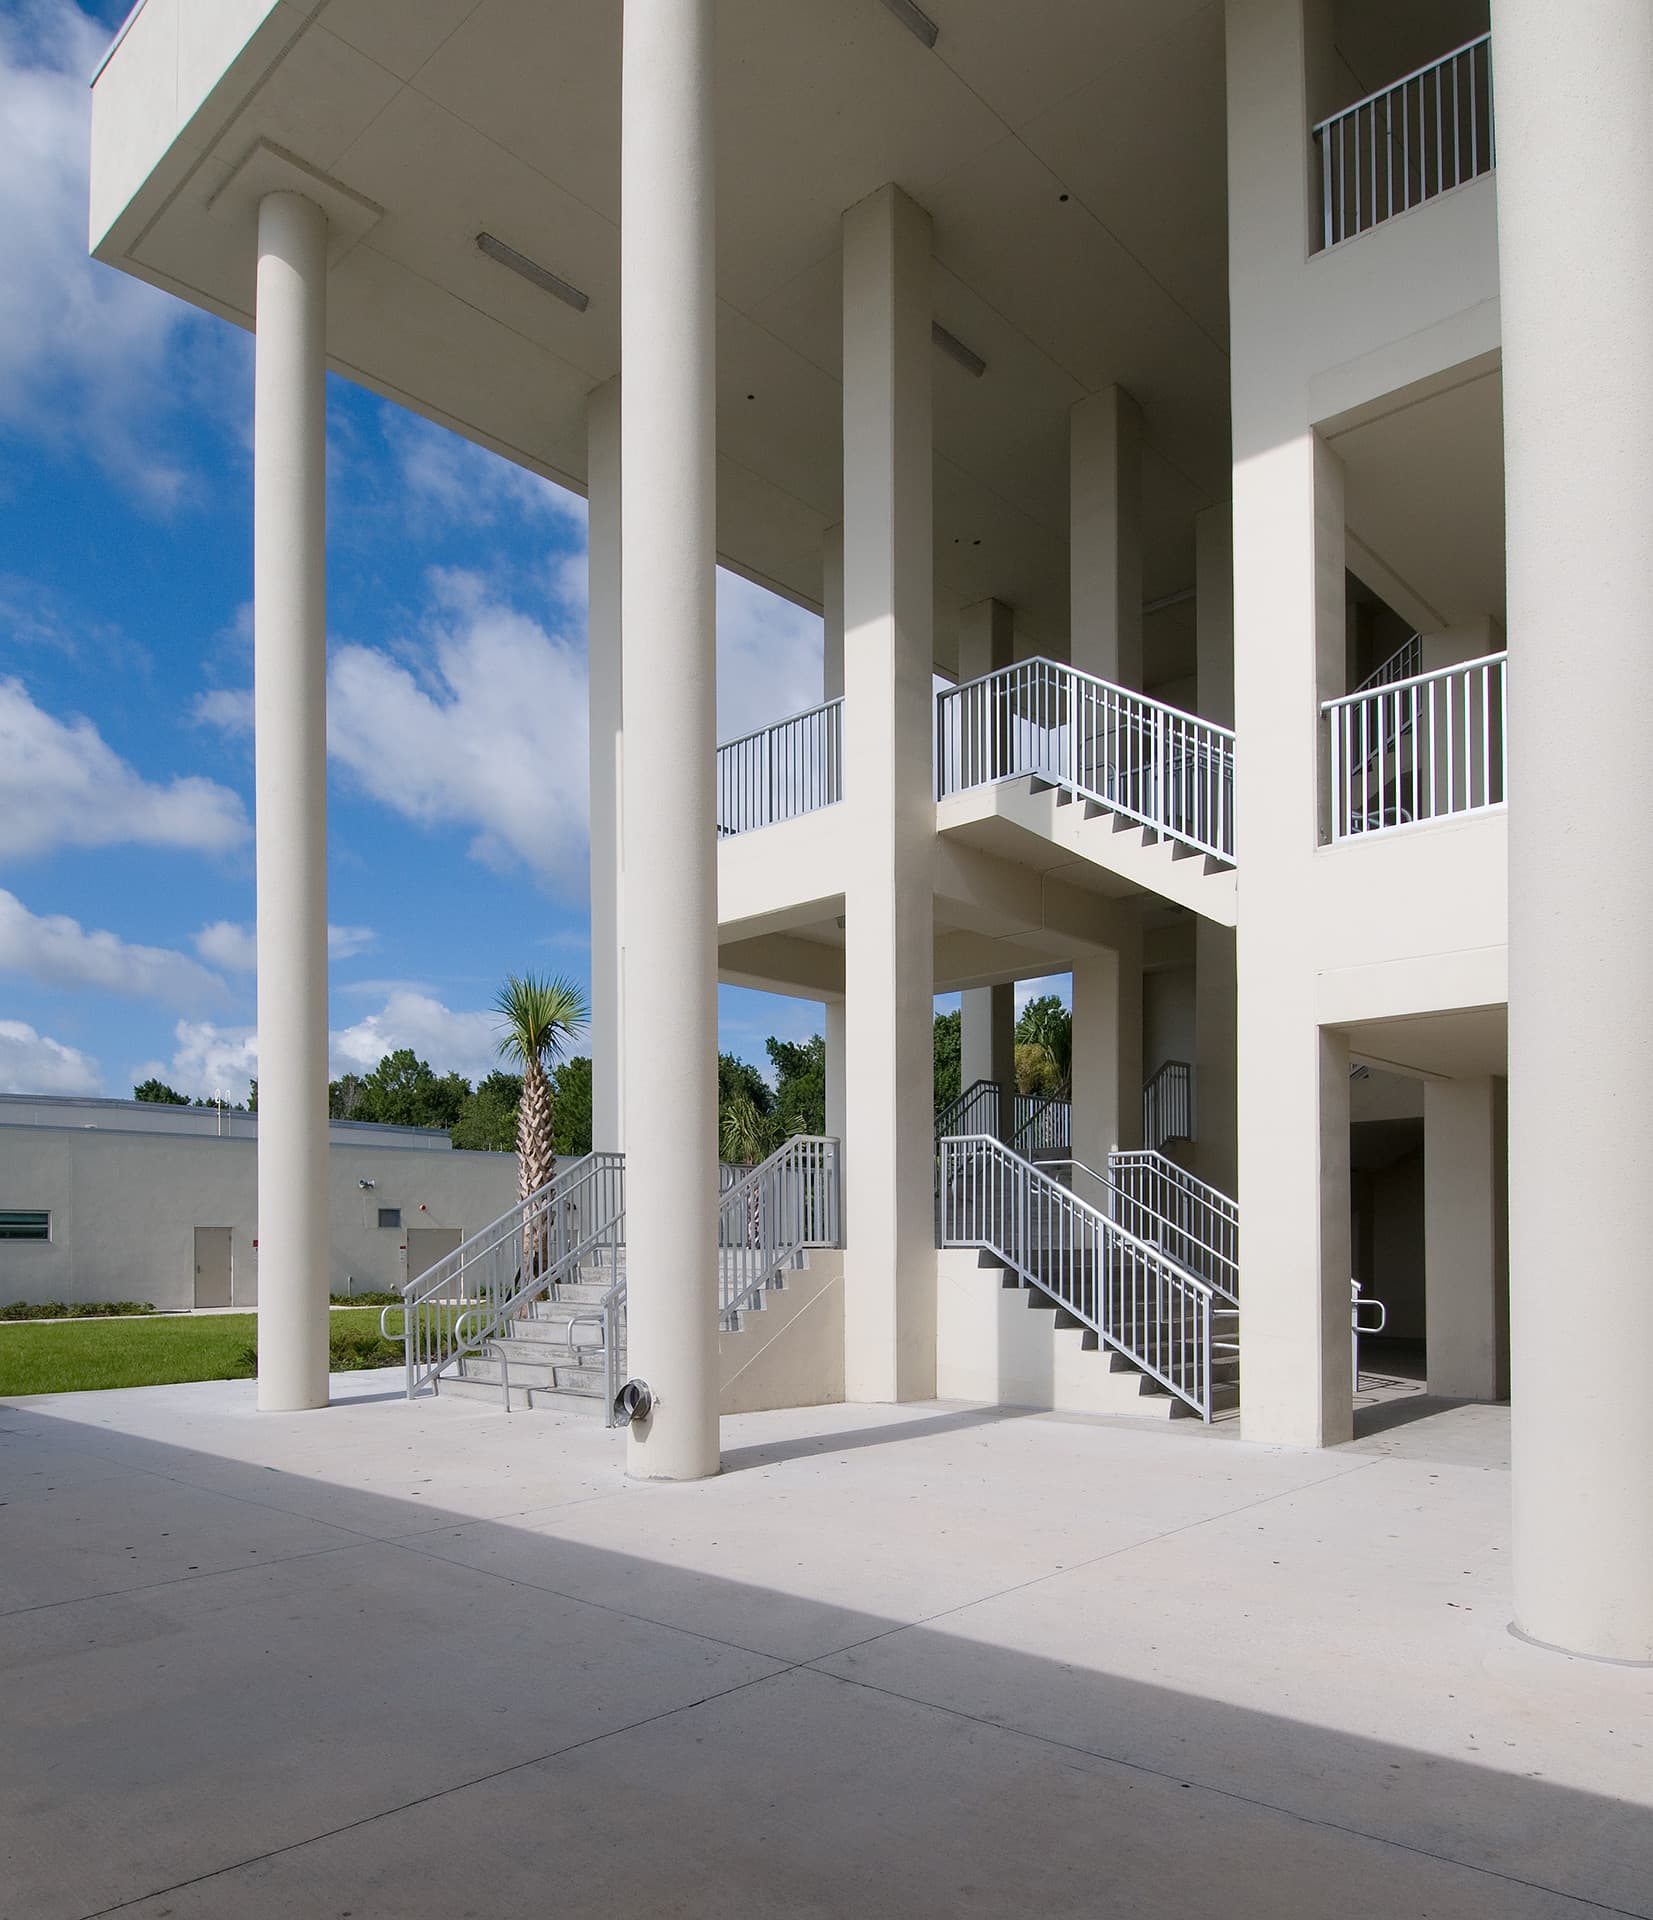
389,1661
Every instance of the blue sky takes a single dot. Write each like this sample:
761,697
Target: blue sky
457,779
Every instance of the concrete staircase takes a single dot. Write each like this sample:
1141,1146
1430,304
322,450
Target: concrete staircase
1087,833
546,1369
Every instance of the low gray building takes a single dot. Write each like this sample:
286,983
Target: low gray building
128,1200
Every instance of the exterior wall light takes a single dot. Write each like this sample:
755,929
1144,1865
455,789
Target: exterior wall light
917,22
542,277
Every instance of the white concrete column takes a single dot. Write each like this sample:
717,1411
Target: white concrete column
1107,1052
1292,1079
290,730
1464,1242
832,613
889,966
832,687
607,740
1292,1091
987,1045
668,439
1105,536
1575,234
835,1069
1215,1153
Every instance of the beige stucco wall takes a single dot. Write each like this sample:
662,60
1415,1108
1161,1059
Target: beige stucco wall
792,1353
125,1207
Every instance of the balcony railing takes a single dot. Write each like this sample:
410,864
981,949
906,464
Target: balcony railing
1406,143
1419,749
1168,770
794,767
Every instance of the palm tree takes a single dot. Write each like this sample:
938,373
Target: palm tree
538,1017
746,1135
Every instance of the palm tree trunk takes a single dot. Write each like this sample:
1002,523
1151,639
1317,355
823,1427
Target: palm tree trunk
536,1161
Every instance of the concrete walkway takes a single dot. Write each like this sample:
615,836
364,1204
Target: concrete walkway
390,1661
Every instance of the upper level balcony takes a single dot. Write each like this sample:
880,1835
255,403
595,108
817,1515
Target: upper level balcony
1407,143
1408,748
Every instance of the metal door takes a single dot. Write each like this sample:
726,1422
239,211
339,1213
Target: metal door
213,1272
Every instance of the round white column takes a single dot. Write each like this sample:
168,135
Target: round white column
668,610
290,721
1575,231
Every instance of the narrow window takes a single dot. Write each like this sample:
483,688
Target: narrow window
25,1226
390,1217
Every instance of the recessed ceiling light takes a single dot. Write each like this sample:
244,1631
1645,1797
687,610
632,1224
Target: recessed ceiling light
955,349
917,22
542,277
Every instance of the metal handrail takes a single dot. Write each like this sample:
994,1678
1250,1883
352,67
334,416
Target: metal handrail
1406,143
1169,770
779,772
1406,79
1168,1104
975,1110
1128,1291
785,1205
1041,1122
1402,664
1198,1224
1424,748
465,1299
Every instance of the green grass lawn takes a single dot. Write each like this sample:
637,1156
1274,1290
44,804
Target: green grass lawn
72,1356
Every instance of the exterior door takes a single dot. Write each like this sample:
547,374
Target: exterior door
212,1267
427,1245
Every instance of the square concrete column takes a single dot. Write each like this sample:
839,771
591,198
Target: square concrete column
607,733
1575,254
1105,536
1292,1088
832,613
1466,1277
668,581
832,688
1215,1152
987,1045
290,734
1107,1052
889,966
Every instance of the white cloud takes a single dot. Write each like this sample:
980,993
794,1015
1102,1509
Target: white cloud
468,484
482,726
226,944
58,951
234,946
212,1060
344,943
32,1062
82,347
63,785
768,657
228,707
466,1043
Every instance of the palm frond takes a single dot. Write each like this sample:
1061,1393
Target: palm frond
539,1016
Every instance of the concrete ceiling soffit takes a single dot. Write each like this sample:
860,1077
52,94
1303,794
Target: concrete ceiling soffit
266,168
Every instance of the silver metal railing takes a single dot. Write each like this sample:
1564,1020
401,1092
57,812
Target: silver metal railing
1164,768
1407,143
1168,1104
1040,1123
1197,1225
1406,660
777,773
1419,749
975,1110
1132,1294
468,1297
768,1219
